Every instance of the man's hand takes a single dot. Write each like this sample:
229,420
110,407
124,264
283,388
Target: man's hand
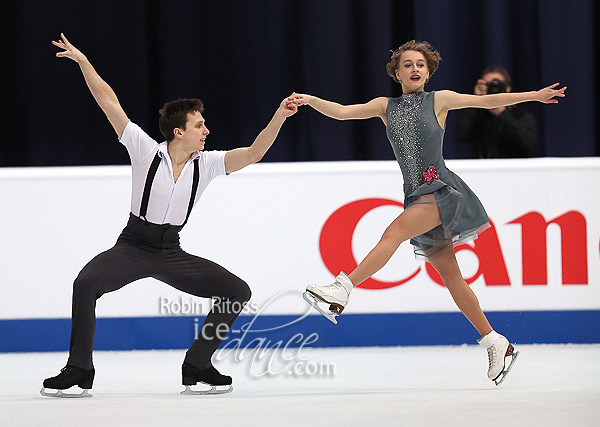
288,106
102,92
70,51
481,87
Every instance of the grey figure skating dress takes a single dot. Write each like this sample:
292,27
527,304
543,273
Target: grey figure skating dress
416,137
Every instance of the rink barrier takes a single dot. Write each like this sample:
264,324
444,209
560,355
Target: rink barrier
384,329
536,271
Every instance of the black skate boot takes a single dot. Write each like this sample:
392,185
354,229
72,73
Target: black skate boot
209,376
68,377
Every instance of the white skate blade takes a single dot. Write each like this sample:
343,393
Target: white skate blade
213,390
60,393
505,372
314,302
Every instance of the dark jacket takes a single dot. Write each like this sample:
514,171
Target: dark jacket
511,134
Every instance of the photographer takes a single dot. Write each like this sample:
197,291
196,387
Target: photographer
504,132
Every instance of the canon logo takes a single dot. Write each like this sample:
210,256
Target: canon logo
335,244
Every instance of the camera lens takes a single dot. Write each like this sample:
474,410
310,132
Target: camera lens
496,86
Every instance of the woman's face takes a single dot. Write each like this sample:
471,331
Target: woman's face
412,71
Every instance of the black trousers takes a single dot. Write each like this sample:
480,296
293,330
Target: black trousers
150,250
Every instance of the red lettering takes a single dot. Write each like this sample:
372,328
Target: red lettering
534,248
335,242
490,259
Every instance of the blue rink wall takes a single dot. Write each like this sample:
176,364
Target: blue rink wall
389,329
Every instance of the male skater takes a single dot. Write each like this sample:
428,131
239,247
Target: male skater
168,179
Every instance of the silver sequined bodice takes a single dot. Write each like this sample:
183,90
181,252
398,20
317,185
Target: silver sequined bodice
415,135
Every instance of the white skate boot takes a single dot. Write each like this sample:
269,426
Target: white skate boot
336,295
498,349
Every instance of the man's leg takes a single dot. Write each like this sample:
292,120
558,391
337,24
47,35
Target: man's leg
107,272
203,278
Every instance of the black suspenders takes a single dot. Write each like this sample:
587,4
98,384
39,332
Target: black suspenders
148,187
194,190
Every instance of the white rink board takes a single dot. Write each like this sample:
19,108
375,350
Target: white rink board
264,224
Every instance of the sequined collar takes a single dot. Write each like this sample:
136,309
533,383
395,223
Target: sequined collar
413,94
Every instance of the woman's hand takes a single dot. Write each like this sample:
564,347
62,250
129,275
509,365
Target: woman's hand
548,94
302,99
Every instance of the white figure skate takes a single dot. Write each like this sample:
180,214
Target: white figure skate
336,295
498,349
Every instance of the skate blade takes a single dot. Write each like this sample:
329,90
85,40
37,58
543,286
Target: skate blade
505,372
213,390
313,300
61,394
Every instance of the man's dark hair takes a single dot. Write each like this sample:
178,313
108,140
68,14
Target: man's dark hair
174,115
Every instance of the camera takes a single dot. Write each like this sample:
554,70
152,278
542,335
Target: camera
496,86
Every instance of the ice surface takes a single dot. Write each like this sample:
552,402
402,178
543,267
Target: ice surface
442,386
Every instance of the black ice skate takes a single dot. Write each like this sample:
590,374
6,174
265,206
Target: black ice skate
69,376
209,376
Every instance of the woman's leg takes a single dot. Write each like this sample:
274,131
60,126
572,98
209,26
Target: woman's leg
498,347
464,297
419,218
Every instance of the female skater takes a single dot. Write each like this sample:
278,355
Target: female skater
440,210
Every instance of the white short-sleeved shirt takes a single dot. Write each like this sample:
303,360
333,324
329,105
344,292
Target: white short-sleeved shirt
169,200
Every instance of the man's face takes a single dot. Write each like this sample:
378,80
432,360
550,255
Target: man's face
495,76
195,131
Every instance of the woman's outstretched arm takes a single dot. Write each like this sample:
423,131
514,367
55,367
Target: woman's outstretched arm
374,108
449,100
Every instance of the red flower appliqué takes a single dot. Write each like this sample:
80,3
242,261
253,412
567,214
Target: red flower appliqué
430,174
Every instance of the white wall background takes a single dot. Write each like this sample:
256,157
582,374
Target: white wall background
264,223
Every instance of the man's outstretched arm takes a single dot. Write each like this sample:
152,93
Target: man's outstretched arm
102,92
241,157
